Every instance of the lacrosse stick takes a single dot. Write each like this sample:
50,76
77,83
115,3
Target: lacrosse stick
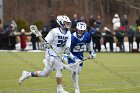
75,66
35,31
86,59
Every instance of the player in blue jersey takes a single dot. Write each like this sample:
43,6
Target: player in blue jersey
79,39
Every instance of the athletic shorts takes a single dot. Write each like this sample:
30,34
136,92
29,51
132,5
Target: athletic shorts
53,62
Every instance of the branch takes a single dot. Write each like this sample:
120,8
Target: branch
128,4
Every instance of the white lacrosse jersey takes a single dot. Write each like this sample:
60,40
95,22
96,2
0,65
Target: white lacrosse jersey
58,40
116,23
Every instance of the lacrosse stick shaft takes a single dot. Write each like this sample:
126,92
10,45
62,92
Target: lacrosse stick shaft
51,47
86,59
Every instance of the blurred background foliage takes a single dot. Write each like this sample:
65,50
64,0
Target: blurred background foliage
30,10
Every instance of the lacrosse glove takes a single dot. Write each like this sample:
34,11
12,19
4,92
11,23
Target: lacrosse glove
47,45
65,57
77,60
76,64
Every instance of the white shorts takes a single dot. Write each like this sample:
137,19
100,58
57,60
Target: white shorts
52,63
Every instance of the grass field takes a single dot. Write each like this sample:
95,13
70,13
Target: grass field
108,73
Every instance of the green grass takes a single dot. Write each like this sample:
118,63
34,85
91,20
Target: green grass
108,73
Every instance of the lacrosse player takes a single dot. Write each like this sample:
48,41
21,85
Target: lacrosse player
79,39
58,41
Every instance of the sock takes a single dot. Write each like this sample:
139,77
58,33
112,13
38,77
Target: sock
59,87
34,74
75,80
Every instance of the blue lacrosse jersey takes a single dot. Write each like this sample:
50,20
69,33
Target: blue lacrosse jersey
77,45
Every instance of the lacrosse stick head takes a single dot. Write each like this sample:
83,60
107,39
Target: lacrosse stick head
35,30
74,66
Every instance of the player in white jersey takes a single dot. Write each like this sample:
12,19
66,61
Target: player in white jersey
58,41
79,39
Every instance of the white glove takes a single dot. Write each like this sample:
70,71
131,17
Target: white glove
75,65
65,57
47,45
77,60
93,55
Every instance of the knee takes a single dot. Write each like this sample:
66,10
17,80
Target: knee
78,72
74,73
59,73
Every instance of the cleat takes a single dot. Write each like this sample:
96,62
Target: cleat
24,76
77,91
62,91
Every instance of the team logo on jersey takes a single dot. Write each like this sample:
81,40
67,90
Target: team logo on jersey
62,37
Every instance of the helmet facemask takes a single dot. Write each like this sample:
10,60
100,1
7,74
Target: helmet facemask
66,25
81,27
80,33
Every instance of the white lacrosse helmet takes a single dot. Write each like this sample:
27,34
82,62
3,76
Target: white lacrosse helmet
64,21
81,26
22,30
116,15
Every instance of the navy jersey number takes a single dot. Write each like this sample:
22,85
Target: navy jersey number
61,43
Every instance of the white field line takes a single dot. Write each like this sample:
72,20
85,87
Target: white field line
27,90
